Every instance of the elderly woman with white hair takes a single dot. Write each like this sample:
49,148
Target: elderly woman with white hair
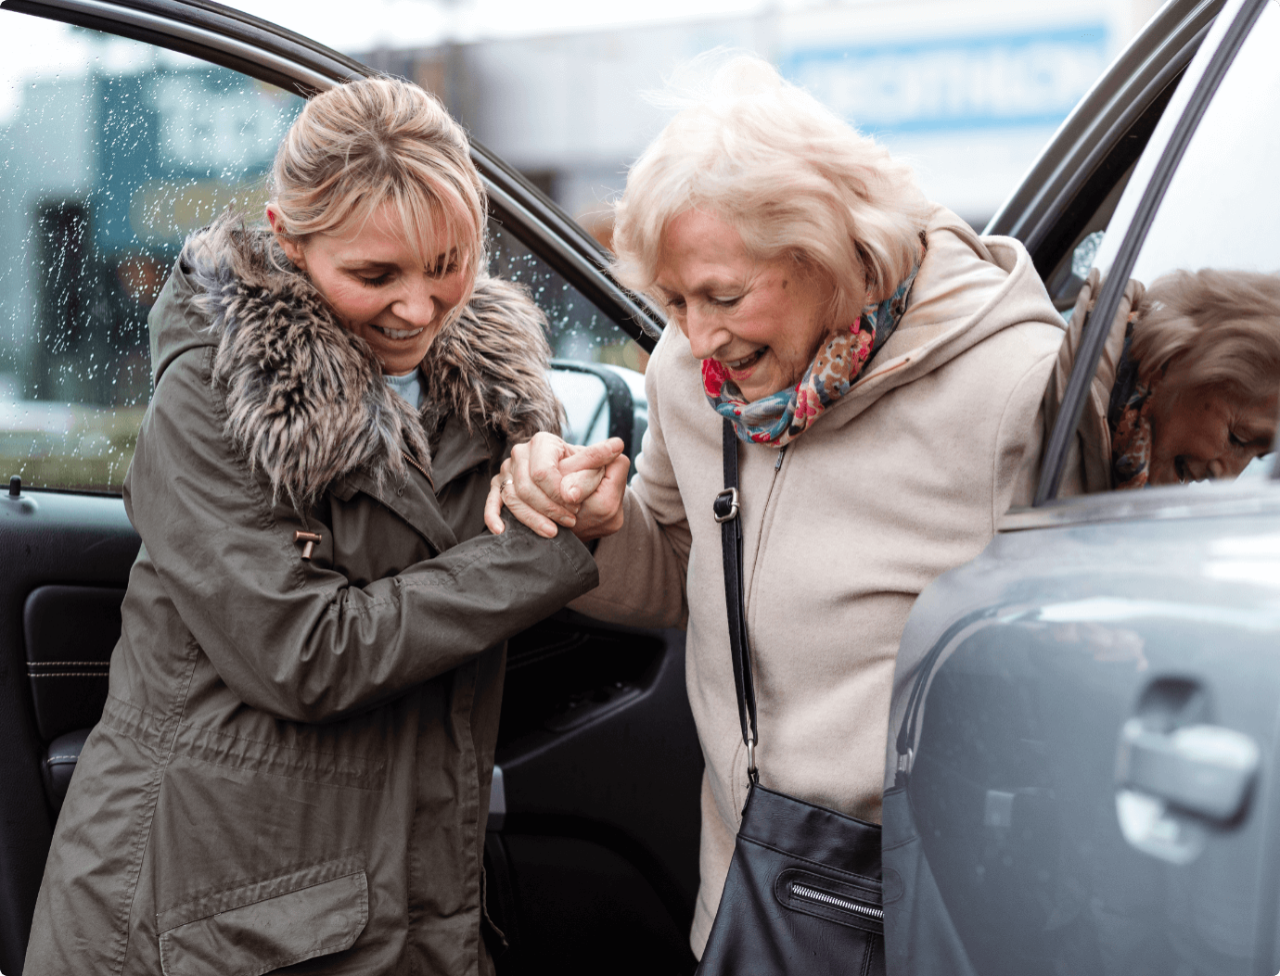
882,367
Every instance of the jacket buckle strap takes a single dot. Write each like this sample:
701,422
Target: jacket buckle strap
725,506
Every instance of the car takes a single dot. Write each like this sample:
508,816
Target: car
1085,716
1030,664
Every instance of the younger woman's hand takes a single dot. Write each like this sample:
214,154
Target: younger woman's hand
547,482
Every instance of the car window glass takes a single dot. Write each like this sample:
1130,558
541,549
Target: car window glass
578,331
1186,391
114,150
1065,281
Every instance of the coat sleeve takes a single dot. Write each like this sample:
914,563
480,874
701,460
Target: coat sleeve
288,636
1022,430
643,566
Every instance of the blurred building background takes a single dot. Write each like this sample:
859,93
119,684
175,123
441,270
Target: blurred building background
114,150
969,90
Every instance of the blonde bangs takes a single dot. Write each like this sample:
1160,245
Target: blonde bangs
376,142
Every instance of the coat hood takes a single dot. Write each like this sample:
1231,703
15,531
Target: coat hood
955,304
306,401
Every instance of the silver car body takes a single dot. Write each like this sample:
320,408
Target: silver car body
1086,717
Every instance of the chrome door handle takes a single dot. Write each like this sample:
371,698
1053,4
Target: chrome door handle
1202,769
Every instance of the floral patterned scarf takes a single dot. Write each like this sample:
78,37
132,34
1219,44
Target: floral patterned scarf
781,417
1129,416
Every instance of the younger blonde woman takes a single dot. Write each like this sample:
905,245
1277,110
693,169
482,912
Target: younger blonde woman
295,757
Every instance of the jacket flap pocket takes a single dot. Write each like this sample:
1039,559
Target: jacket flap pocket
269,924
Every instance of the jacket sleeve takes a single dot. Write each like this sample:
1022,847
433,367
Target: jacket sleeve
288,636
643,566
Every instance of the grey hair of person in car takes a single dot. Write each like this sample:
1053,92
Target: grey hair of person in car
374,141
1221,326
783,170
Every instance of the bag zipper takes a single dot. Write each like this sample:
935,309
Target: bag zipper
835,901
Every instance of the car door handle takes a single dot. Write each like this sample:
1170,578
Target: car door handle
1203,769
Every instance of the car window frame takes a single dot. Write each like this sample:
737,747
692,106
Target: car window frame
264,51
1156,170
1103,136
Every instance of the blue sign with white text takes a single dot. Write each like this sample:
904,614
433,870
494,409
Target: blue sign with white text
999,81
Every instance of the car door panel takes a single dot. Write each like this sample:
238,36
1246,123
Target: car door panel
601,829
1014,784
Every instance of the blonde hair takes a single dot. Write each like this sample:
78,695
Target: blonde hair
787,173
375,141
1224,324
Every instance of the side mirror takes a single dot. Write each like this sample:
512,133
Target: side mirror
601,401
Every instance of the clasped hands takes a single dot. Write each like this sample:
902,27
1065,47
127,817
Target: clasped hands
546,483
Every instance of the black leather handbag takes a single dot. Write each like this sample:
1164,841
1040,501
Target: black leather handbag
804,891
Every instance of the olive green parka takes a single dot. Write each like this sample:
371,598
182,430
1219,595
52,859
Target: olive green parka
292,769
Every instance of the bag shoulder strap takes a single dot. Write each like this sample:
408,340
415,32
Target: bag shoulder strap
725,509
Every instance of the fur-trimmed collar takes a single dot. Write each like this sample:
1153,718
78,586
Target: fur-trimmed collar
306,400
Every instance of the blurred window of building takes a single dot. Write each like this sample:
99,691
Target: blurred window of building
577,328
969,91
114,151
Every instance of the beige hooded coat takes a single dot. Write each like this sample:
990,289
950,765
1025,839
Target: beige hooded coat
899,481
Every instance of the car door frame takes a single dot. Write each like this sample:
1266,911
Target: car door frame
1157,166
1032,212
1103,136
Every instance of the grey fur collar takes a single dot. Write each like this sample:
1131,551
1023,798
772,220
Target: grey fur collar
306,401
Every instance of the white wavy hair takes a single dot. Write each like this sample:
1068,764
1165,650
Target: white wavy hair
786,172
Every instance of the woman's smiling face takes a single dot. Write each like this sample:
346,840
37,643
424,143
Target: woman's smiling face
763,320
1206,432
378,287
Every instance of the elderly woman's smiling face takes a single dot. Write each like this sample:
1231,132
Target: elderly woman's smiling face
763,320
378,287
1206,432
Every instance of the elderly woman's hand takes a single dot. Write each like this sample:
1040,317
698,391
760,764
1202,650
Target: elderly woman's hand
548,482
